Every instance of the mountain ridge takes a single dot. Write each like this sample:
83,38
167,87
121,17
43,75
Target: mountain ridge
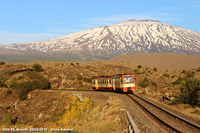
128,37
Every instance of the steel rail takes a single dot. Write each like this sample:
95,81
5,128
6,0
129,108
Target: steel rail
164,123
189,123
135,128
70,90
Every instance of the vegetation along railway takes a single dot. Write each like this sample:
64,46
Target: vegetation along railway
125,83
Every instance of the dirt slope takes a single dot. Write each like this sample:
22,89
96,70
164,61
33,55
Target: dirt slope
161,60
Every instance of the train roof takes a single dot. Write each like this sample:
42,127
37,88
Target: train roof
114,76
121,75
102,77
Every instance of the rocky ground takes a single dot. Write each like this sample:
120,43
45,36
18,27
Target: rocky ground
48,108
88,112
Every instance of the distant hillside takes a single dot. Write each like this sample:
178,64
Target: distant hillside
38,57
161,60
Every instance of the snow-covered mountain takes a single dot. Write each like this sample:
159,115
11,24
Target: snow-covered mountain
144,36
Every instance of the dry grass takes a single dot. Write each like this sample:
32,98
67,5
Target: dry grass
52,109
161,60
64,75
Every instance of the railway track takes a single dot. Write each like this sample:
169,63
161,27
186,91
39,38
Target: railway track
171,122
71,90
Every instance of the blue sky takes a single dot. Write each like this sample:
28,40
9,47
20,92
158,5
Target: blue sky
32,20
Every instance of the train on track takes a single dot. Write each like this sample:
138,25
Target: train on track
118,83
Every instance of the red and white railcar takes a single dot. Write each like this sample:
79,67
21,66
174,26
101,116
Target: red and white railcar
102,83
120,82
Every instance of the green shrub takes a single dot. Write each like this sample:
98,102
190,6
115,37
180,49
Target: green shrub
178,81
139,66
2,84
2,63
79,77
89,80
2,81
166,75
23,87
183,71
189,74
154,84
144,83
178,100
8,118
161,77
35,76
80,82
8,91
20,77
155,69
198,69
37,68
190,92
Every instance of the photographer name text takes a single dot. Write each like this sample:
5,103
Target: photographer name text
36,130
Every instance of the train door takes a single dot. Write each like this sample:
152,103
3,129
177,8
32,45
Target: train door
96,84
113,84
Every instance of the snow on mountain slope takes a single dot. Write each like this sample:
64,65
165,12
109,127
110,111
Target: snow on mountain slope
144,36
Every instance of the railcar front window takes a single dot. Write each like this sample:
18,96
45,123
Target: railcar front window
128,79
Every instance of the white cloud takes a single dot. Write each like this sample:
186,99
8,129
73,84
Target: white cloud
62,31
12,37
195,4
111,20
57,22
119,18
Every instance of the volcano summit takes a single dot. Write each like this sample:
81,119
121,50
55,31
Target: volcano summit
128,37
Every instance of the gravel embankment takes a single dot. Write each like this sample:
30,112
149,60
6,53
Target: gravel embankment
176,112
167,118
144,122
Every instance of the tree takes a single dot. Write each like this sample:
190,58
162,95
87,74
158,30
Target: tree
155,69
2,63
190,92
144,83
139,66
37,68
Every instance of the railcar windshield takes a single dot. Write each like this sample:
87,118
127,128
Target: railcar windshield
128,79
